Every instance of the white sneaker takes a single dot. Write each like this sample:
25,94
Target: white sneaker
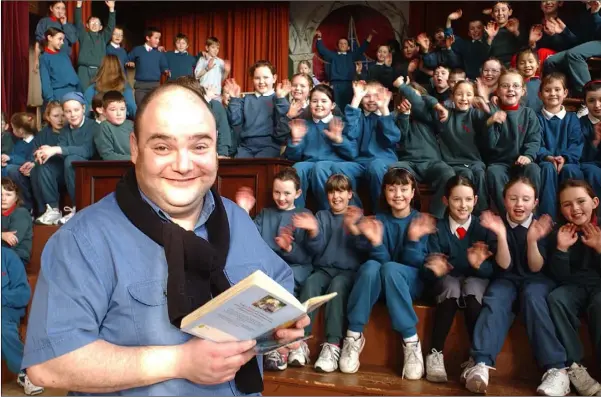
66,218
29,388
413,364
476,378
555,382
584,383
349,357
435,371
466,367
50,217
299,357
274,361
328,358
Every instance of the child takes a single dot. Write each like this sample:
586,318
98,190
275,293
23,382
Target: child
112,138
255,113
575,264
304,67
210,69
98,109
371,127
524,278
473,52
92,43
561,145
406,62
590,163
527,65
382,71
75,143
488,81
460,267
56,71
56,19
15,296
298,90
23,126
398,237
7,136
512,140
17,229
276,228
554,33
455,77
440,84
504,33
336,260
419,151
342,66
150,64
179,61
115,46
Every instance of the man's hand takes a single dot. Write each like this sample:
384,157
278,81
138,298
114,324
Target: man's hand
287,335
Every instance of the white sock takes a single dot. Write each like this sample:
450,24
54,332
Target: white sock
411,339
353,334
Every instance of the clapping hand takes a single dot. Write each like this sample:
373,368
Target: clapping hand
477,254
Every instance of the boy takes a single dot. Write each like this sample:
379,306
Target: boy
504,33
179,61
440,83
342,66
336,261
112,138
275,226
149,62
210,70
473,52
114,47
92,43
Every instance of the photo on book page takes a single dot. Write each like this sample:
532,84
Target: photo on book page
267,346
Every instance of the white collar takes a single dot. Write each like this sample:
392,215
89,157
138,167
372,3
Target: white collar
83,120
593,119
182,52
115,45
341,53
148,48
366,113
380,64
325,120
98,121
453,225
548,115
268,93
28,139
526,223
477,41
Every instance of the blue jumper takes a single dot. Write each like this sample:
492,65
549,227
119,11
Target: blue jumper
180,64
22,152
150,65
473,53
57,75
120,53
78,141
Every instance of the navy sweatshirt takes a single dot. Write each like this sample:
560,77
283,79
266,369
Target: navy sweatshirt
56,71
505,44
69,30
316,146
561,137
442,56
22,152
120,53
473,53
180,64
15,286
342,66
256,115
518,267
590,153
78,141
150,65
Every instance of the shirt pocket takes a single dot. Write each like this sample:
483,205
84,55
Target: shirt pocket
237,273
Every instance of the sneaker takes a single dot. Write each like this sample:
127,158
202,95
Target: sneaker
476,378
466,367
299,357
435,371
349,357
50,217
584,383
274,362
413,363
328,358
66,218
29,388
555,382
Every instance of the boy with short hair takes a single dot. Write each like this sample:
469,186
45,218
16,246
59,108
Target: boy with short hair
474,51
112,139
211,70
92,43
149,62
179,61
114,46
440,83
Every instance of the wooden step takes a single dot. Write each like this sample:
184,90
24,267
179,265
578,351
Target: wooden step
41,234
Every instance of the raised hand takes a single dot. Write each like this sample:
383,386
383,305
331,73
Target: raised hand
227,67
498,117
334,130
420,226
438,264
477,254
523,160
487,11
492,222
295,109
423,41
404,106
443,113
285,238
513,25
372,229
455,15
400,81
298,130
479,103
482,89
567,236
413,65
318,34
491,30
110,4
388,60
245,198
536,33
351,217
358,67
592,237
359,89
595,6
232,87
306,221
282,90
384,97
540,228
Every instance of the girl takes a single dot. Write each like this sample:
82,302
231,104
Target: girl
255,114
56,71
292,98
512,140
590,163
110,77
523,237
527,65
117,46
561,144
575,264
459,265
382,71
489,78
316,144
17,229
57,19
398,237
304,67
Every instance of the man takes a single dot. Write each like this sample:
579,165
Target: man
113,290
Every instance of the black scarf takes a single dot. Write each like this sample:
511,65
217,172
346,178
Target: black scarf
195,266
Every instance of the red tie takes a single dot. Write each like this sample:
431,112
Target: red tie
461,232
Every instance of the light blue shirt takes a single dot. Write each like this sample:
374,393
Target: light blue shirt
103,279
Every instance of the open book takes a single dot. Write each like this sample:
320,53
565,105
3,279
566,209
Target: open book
252,309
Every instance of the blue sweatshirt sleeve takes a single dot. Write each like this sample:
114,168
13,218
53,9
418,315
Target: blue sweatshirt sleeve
358,53
47,91
16,292
107,32
295,152
352,128
347,149
163,64
86,150
573,152
380,253
317,245
419,108
236,111
130,102
40,29
414,254
71,35
388,133
326,54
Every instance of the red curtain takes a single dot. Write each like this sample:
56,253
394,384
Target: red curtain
86,12
15,56
248,32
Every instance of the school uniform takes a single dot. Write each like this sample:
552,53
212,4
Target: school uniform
119,52
214,76
382,73
579,275
519,135
418,150
15,296
57,75
473,53
112,141
342,70
394,268
150,65
335,262
128,95
8,141
505,44
180,64
225,144
441,56
315,157
532,289
70,31
531,99
561,136
18,219
590,163
21,153
92,47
